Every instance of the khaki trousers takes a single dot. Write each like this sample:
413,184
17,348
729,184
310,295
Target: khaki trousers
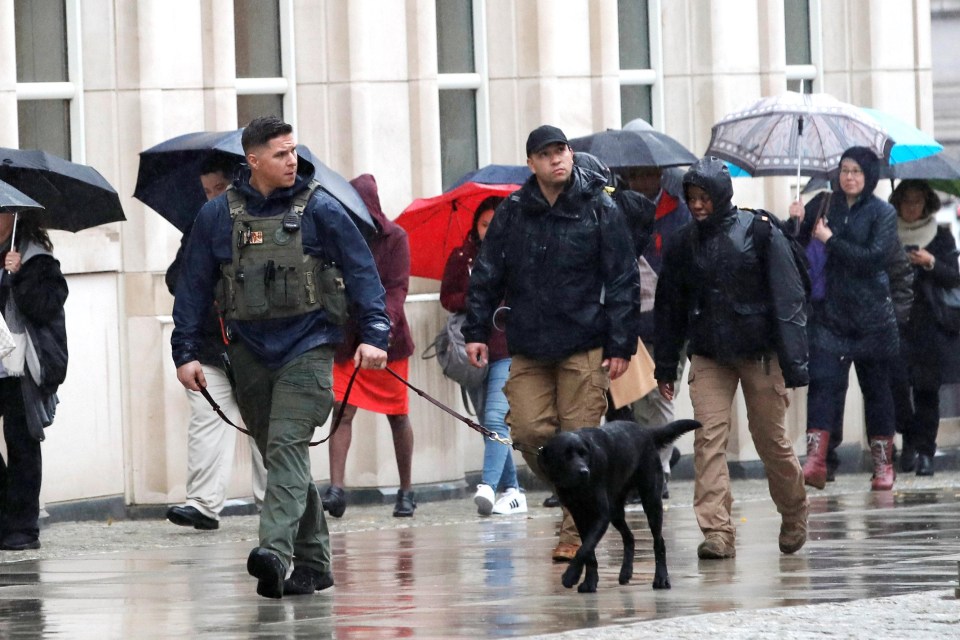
210,448
712,389
549,397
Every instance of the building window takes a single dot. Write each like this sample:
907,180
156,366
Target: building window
462,84
263,50
801,52
638,76
46,98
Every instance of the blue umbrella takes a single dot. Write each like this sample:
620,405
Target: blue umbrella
495,174
168,180
910,143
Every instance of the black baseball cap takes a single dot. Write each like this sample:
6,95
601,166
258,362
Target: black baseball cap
542,136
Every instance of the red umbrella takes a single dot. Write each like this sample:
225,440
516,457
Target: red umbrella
436,226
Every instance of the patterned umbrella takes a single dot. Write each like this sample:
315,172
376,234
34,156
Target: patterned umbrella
795,133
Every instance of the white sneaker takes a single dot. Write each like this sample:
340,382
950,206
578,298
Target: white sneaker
484,499
512,501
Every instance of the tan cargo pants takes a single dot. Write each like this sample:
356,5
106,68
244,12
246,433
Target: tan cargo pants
548,397
712,389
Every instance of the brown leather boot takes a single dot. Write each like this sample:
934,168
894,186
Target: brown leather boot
815,468
881,448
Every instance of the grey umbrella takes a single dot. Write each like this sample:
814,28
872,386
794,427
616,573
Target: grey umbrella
13,200
619,148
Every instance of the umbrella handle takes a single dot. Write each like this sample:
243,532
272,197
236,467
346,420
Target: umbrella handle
799,151
13,234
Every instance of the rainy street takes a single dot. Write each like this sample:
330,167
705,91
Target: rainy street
449,575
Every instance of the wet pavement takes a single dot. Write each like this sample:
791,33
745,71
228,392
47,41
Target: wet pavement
468,577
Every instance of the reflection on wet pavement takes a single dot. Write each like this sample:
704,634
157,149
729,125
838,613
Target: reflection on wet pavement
492,578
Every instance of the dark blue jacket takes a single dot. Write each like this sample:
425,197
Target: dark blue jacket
567,272
327,232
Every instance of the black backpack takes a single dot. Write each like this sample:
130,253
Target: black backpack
763,223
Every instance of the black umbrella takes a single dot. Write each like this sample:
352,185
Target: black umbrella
168,180
12,200
619,148
74,196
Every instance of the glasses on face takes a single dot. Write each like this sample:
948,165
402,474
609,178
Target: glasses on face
851,172
910,202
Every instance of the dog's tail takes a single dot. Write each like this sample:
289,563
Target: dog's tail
669,432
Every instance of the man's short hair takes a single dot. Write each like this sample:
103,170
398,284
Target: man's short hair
219,163
262,130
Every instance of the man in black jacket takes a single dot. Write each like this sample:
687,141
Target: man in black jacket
558,252
739,299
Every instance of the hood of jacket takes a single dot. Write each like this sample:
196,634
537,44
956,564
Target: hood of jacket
712,175
366,186
869,164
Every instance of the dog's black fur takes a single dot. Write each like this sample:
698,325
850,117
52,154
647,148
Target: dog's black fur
594,470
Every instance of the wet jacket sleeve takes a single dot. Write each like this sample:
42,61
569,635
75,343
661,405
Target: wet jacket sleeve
456,281
789,303
340,241
40,290
487,279
199,270
670,310
873,256
396,280
621,280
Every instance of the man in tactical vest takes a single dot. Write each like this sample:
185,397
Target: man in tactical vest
282,256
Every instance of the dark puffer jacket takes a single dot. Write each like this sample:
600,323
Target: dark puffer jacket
729,297
567,272
856,317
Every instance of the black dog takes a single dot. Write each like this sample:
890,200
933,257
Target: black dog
593,471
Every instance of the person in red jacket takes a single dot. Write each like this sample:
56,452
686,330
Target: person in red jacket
377,390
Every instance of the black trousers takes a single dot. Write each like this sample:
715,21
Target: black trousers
918,412
21,472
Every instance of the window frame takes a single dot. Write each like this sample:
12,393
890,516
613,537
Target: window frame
649,77
70,90
813,71
477,81
284,85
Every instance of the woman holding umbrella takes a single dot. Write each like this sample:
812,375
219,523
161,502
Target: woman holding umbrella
32,294
931,333
499,471
851,236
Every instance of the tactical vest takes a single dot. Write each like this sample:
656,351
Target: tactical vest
269,276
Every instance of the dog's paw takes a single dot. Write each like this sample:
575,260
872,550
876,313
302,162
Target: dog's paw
588,586
661,583
571,576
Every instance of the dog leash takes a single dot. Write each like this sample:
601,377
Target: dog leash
486,433
336,421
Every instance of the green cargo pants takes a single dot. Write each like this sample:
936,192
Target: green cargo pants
281,408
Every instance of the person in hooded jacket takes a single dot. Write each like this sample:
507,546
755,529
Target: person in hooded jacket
377,390
32,295
741,303
853,318
931,333
285,263
559,256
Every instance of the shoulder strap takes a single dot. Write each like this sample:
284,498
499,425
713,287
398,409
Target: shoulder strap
238,204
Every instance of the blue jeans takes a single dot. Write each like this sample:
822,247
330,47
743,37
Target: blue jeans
499,470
